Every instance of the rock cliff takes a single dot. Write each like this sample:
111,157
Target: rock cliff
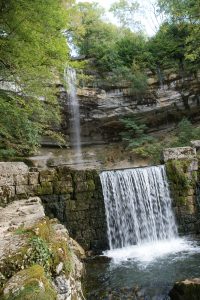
162,105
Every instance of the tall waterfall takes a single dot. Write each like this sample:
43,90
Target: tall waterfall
138,206
75,133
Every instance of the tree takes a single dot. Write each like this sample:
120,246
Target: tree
168,46
33,53
185,12
125,11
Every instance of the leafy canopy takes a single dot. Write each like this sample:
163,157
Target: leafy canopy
125,11
185,13
33,52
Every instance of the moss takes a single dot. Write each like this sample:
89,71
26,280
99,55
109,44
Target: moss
41,246
91,185
179,179
61,253
62,187
44,230
32,283
45,189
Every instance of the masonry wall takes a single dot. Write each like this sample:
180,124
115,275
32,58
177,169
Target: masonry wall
74,197
182,171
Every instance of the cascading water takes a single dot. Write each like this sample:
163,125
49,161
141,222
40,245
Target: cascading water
145,249
138,206
75,134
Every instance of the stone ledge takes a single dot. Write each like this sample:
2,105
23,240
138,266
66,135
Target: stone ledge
195,144
179,153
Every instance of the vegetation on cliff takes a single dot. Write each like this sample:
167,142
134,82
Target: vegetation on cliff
34,53
137,139
113,48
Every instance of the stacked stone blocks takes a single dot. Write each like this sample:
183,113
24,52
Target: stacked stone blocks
74,197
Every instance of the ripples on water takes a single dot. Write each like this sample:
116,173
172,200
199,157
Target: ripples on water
153,267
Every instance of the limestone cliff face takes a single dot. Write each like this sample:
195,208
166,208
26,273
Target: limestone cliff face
160,106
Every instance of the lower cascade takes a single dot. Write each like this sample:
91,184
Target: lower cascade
138,206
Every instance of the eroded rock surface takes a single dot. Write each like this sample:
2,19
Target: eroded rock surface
37,255
161,106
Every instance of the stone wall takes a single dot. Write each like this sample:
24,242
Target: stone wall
74,197
182,171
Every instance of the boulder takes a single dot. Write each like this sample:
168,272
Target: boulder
188,289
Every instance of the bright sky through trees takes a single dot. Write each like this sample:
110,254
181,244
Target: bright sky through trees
147,17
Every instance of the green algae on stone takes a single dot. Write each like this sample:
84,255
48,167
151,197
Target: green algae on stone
180,179
41,246
45,188
31,283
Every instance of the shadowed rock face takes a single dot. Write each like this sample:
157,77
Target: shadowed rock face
188,289
159,107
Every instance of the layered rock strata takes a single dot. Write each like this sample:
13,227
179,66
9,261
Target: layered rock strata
161,106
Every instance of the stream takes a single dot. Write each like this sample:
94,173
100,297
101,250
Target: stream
142,272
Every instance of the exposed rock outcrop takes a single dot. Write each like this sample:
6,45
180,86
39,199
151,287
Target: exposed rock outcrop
162,105
38,259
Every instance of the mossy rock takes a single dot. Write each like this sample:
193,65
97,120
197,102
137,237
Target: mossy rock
27,284
41,246
180,180
45,188
188,289
64,173
62,187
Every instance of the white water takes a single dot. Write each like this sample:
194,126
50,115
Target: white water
140,220
75,132
149,252
138,206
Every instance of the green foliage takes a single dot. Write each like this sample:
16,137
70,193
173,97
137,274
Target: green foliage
40,253
114,51
185,12
18,133
152,151
32,284
167,47
181,137
32,55
185,133
135,135
125,11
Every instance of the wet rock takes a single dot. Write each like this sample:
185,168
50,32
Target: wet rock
99,259
188,289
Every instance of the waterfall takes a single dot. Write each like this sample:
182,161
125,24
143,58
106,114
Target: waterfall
138,206
75,136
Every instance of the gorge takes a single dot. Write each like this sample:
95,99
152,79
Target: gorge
99,150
